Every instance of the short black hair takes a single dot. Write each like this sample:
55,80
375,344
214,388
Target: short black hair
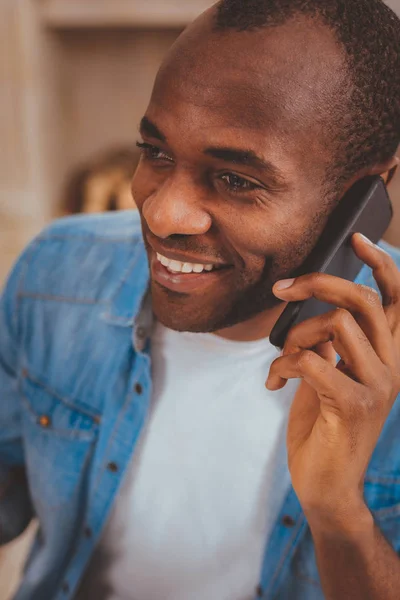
366,121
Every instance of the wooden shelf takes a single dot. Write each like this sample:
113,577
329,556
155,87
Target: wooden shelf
140,14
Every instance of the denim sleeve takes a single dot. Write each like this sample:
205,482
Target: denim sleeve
15,506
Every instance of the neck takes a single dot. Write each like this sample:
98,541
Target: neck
254,329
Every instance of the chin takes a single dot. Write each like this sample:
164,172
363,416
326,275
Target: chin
208,314
179,321
186,315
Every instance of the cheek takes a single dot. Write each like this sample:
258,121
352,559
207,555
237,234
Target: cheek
260,236
275,246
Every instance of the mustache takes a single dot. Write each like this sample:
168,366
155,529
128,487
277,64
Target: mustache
189,246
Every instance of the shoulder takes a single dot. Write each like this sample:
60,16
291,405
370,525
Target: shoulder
104,227
83,257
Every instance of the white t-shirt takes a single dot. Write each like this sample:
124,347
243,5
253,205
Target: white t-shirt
207,480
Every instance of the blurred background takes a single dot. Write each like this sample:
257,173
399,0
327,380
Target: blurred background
75,79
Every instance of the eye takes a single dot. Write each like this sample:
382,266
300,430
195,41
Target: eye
152,152
237,184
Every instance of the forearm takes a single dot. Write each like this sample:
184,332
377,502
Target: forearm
355,560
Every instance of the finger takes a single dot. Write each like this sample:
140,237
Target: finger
333,387
348,340
304,412
361,301
386,274
326,351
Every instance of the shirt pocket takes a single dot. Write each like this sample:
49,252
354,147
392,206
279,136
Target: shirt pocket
59,440
382,495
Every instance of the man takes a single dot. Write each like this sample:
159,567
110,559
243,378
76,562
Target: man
135,420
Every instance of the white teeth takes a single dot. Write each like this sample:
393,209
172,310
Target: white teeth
179,267
174,265
164,261
198,268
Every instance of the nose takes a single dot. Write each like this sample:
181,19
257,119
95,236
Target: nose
177,207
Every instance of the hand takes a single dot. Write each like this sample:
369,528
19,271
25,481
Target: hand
339,409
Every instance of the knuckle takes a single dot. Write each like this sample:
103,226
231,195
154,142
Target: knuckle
374,402
306,359
317,279
386,384
292,339
341,318
365,406
369,295
313,280
376,405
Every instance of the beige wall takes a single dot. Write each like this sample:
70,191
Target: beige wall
102,86
394,4
75,77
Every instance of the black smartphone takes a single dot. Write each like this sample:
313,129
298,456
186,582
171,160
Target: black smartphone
366,208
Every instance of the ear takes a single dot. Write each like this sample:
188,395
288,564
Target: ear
387,171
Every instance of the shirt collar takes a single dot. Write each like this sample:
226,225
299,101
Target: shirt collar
130,304
143,324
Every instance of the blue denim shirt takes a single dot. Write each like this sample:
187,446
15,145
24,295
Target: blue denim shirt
75,385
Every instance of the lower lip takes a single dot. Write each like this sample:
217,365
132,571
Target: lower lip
185,282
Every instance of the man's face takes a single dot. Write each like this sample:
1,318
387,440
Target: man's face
234,167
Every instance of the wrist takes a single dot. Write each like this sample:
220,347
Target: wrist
348,521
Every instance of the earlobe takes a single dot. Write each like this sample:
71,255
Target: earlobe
388,175
391,174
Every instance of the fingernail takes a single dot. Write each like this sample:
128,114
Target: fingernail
366,240
284,284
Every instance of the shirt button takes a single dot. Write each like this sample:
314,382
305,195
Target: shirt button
259,591
288,521
138,388
113,467
44,421
141,333
87,532
65,587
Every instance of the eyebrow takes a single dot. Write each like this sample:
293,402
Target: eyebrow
243,157
149,128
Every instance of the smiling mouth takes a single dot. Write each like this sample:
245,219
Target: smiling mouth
185,277
176,266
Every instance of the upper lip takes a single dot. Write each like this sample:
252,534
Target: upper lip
186,257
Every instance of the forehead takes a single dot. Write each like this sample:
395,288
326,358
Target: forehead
279,80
